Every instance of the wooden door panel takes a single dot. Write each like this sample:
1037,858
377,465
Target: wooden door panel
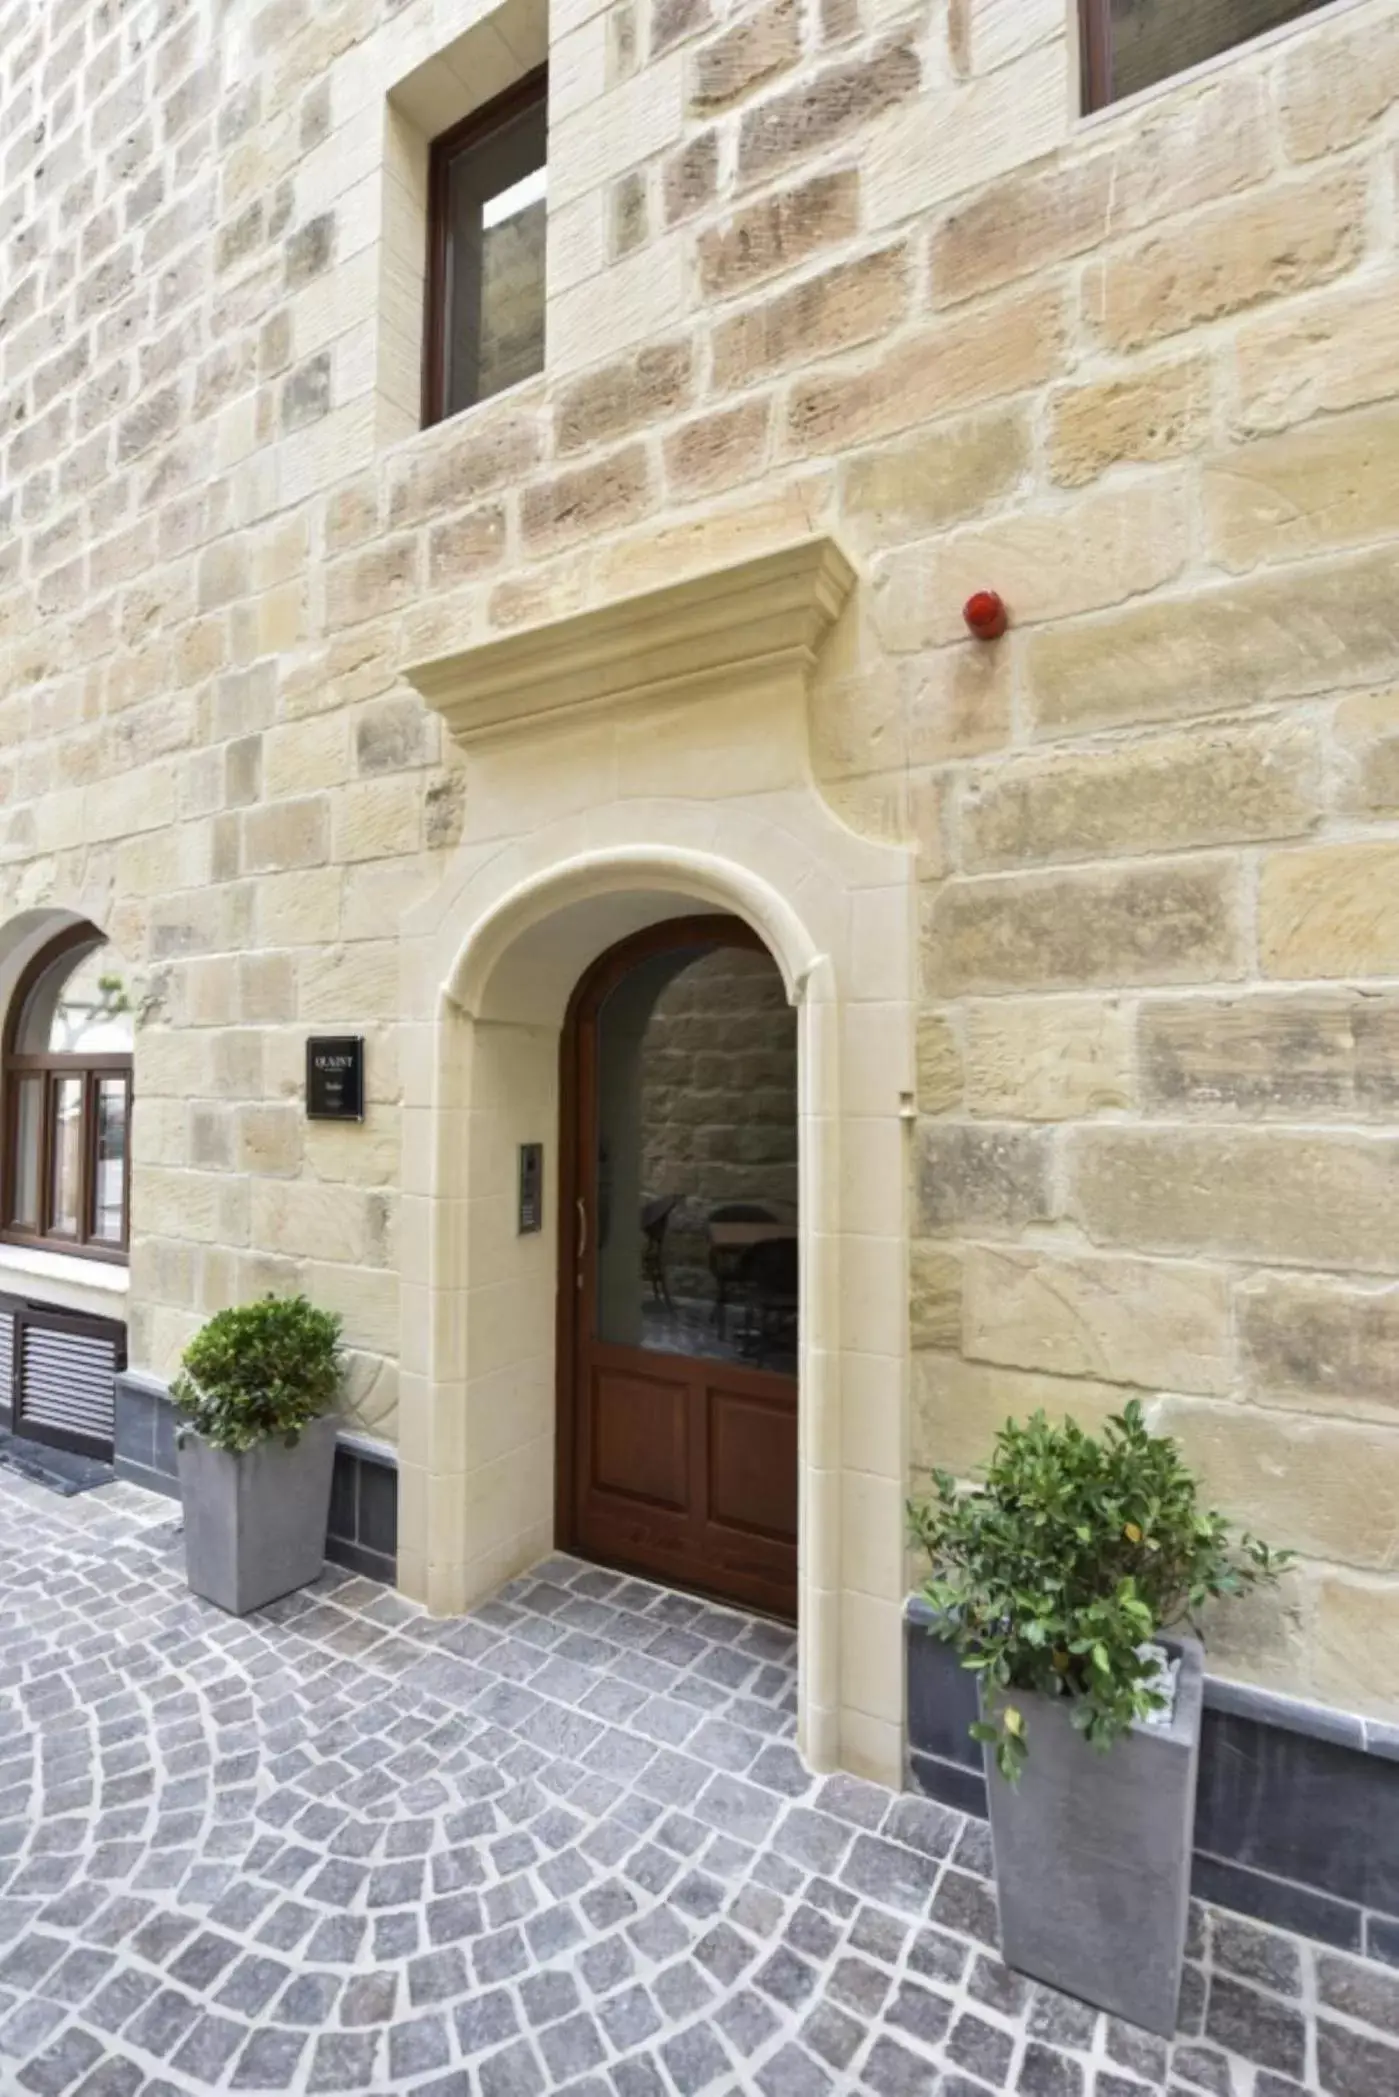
639,1439
752,1460
681,1466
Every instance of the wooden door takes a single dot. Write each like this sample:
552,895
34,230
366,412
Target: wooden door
678,1265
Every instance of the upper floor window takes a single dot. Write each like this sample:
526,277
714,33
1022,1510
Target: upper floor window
486,230
1132,44
67,1100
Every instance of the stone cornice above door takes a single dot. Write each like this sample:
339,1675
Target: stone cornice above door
706,633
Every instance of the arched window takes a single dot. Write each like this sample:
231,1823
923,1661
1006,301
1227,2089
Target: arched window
67,1100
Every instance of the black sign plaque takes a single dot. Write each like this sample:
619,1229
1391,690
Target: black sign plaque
335,1077
531,1188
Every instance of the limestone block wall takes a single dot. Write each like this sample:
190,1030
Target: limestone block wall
814,265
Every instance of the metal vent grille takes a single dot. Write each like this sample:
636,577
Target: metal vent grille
67,1384
7,1358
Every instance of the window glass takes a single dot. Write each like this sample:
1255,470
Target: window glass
65,1098
492,194
109,1188
65,1187
79,1007
1152,39
29,1120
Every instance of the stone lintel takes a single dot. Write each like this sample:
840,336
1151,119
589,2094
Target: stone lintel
689,637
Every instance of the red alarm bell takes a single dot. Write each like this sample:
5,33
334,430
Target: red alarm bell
986,615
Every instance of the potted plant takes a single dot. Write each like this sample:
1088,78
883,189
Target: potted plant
257,1448
1062,1577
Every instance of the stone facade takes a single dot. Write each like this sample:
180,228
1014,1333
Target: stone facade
859,270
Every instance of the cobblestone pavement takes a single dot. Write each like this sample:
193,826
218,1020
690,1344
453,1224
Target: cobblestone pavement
562,1844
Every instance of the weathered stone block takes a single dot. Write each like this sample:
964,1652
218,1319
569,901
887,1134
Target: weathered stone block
366,585
614,491
848,304
1330,910
955,703
939,1064
1020,224
1047,1059
1293,1480
935,1296
1321,1344
1150,924
1153,1323
758,46
980,1178
1341,351
777,233
1366,731
466,545
717,451
1226,260
912,489
1161,795
828,105
1298,1197
284,834
1330,485
1159,413
1333,89
956,1407
1282,1057
981,355
690,178
1270,637
452,471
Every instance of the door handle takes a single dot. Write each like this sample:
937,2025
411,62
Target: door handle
582,1226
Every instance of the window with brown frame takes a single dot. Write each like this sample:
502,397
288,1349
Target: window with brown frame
486,232
65,1101
1129,45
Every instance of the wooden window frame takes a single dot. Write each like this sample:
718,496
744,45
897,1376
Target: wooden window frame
50,1067
473,130
1095,53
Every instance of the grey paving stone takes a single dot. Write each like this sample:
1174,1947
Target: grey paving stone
792,2073
418,2047
564,1844
1047,2073
892,2071
486,2021
983,2048
1258,2026
61,2064
695,2060
572,2047
831,2034
513,2072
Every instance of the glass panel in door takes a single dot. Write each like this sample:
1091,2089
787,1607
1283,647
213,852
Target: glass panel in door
697,1159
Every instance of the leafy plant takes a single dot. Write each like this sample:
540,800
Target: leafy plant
1069,1554
260,1371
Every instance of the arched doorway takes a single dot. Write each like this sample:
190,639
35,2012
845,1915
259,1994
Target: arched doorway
679,1290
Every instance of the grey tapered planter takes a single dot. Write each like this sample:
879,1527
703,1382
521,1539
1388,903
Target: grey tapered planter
255,1522
1093,1853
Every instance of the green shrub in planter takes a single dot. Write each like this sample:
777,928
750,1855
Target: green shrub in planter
257,1450
260,1372
1071,1552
